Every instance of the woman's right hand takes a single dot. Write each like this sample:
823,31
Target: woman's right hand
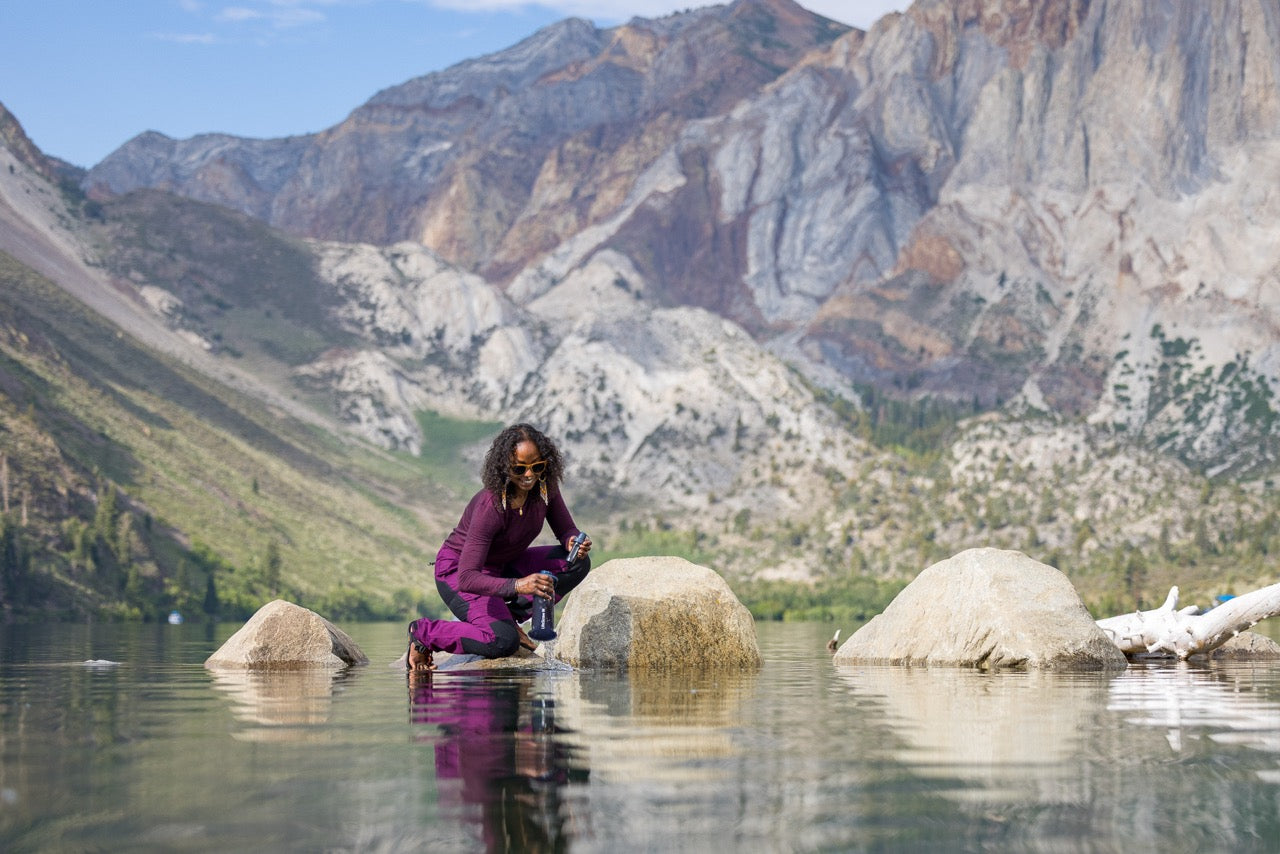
538,584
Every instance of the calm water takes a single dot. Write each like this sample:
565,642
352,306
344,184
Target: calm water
157,754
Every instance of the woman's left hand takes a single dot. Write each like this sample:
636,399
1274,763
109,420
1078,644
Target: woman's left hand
586,545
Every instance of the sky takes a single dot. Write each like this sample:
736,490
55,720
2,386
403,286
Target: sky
85,76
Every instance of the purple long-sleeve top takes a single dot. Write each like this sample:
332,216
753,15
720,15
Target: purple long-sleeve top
487,538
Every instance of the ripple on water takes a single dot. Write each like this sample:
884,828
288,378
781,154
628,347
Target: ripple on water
802,754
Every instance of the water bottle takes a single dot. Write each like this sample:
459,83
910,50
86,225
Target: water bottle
576,546
543,627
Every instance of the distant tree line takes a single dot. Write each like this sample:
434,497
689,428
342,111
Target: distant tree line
114,563
921,426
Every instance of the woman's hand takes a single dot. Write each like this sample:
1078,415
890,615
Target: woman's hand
538,584
586,545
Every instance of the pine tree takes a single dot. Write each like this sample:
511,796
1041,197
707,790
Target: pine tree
271,569
10,562
211,604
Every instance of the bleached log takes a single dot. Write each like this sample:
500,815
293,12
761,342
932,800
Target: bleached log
1186,632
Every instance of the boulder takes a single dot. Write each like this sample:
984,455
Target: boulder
985,608
654,612
285,636
1248,646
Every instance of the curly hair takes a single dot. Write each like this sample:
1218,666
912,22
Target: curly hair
496,473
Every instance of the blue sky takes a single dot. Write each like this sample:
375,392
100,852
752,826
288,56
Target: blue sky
84,76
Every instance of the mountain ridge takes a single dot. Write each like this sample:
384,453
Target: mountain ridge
928,119
532,99
810,320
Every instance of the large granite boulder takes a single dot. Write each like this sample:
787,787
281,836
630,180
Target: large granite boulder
285,636
985,608
655,612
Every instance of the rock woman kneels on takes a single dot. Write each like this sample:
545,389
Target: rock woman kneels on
487,571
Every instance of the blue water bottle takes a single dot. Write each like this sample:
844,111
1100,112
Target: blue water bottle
543,627
575,547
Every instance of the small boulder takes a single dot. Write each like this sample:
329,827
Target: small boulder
1248,646
655,612
285,636
985,608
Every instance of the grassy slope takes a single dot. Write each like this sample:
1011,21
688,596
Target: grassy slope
249,290
83,405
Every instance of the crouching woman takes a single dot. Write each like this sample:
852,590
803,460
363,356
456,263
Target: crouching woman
487,571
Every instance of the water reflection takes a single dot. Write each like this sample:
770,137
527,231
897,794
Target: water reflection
283,705
1083,752
1189,701
500,761
803,756
1005,731
657,724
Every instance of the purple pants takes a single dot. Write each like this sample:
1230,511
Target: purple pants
486,625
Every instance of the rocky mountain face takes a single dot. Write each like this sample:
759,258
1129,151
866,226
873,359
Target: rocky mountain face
15,139
1060,207
474,161
660,402
997,202
699,248
665,403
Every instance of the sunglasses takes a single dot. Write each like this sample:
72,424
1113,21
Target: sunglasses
522,469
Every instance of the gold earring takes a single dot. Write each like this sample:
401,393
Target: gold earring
542,489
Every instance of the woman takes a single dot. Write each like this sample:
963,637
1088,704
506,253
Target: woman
486,571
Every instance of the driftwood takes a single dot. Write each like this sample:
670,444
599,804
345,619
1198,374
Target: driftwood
1186,632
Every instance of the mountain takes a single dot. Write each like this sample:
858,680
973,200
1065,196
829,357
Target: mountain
172,423
470,160
959,203
811,303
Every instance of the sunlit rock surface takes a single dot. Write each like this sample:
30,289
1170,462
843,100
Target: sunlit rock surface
985,608
287,636
655,612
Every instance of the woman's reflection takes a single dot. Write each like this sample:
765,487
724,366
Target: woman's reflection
496,749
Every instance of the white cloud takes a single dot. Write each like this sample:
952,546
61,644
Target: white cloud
238,14
296,17
279,13
186,38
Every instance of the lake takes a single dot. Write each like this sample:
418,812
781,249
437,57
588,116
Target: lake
154,753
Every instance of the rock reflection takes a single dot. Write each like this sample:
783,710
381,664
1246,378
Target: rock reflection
501,762
656,724
1005,731
285,705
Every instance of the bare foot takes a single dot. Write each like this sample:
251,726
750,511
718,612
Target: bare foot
419,659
